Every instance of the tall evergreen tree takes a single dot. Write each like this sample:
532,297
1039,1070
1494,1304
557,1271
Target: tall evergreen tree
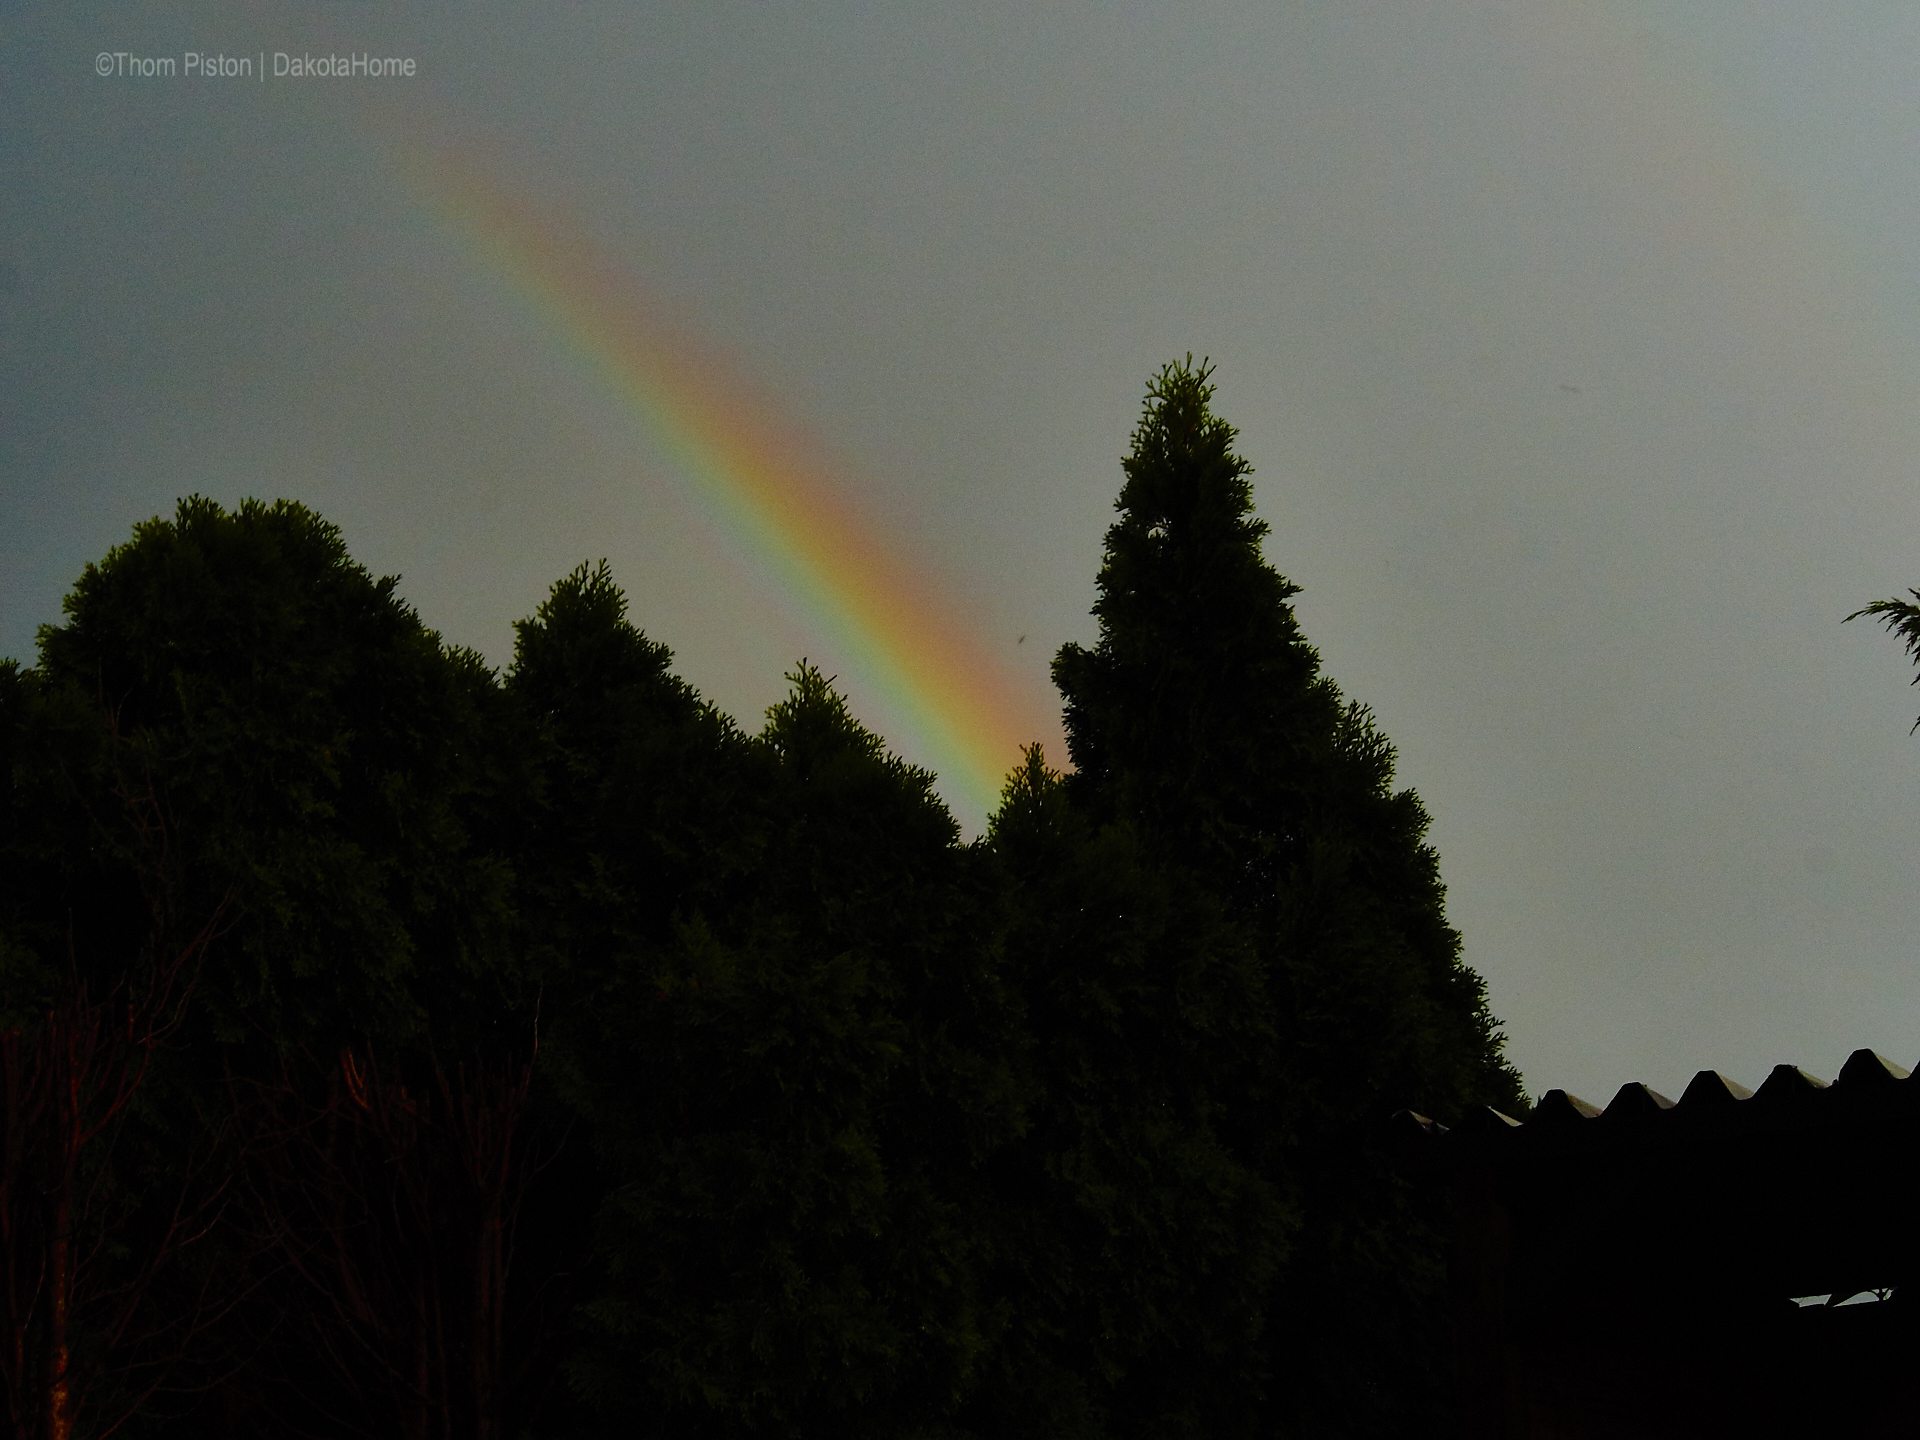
1202,718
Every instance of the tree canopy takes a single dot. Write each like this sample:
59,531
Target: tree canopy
1201,721
544,1053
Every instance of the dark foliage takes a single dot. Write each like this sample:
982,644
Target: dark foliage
774,1042
546,1055
1139,1242
315,769
1201,719
1902,618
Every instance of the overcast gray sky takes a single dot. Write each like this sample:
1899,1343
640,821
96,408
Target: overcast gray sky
1576,347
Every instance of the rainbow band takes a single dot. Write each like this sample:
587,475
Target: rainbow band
756,474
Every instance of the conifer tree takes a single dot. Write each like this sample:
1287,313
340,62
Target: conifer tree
1137,1245
1202,718
772,1016
319,749
315,768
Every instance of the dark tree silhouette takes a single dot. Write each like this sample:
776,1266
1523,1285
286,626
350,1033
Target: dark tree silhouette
344,785
90,1233
836,1125
1201,719
1135,1245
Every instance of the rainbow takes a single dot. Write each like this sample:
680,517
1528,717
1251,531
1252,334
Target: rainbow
764,481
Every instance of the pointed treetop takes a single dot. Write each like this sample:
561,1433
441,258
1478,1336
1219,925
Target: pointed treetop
1200,671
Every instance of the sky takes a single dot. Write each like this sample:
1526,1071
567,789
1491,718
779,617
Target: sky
1576,348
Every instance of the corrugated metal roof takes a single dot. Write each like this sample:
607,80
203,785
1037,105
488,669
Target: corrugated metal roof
1869,1089
1694,1259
